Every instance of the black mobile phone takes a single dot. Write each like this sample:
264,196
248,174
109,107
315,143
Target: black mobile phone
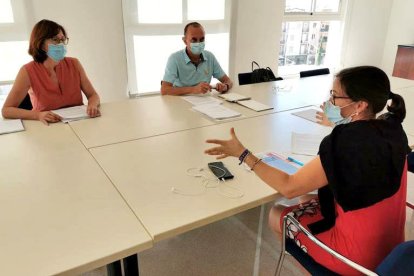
220,170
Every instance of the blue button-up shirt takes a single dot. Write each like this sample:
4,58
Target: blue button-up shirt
182,73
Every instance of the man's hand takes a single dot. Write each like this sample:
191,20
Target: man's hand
222,87
202,88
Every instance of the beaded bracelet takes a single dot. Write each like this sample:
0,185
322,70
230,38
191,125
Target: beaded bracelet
255,163
243,156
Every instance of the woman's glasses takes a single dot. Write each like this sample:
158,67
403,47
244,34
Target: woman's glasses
57,40
333,97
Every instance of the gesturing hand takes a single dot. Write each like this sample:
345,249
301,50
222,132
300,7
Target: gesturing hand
47,117
321,117
226,148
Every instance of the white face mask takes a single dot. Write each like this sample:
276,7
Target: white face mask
197,48
333,113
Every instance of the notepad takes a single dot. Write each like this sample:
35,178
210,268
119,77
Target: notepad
74,113
278,162
10,126
256,106
233,97
307,114
216,111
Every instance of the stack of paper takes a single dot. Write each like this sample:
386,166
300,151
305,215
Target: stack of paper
201,99
9,126
306,143
216,111
233,97
70,114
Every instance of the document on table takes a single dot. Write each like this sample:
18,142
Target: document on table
216,111
256,106
277,161
201,99
233,97
73,113
307,114
306,143
10,126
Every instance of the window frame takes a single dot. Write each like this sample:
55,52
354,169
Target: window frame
132,28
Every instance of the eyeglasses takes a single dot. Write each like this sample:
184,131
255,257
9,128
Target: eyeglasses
333,97
57,40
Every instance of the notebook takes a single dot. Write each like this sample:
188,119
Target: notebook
233,97
278,162
200,99
10,126
256,106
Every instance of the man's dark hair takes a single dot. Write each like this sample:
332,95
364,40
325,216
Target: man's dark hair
192,24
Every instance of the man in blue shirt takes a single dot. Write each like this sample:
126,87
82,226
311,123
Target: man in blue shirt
189,71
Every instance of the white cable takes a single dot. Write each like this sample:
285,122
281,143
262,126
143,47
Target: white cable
206,183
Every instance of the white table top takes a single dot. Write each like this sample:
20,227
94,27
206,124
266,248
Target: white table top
59,213
145,170
155,115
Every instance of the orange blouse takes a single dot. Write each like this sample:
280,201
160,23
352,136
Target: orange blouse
47,95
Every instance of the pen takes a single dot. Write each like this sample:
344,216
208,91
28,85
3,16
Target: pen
295,161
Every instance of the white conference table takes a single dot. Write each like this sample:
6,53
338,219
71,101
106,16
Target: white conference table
145,170
155,115
59,213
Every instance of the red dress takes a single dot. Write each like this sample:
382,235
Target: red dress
361,212
45,94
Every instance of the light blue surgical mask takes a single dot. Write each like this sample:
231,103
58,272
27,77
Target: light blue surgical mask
197,48
56,52
333,113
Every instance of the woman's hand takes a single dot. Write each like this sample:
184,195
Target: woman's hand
321,117
47,117
93,110
226,148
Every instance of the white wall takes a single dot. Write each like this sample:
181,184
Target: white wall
400,31
257,34
96,35
365,32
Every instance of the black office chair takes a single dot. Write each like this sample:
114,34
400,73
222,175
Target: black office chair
316,72
398,262
246,78
26,103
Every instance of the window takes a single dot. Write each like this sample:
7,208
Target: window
314,29
152,34
13,40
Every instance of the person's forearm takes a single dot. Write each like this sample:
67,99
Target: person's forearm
18,113
171,90
94,100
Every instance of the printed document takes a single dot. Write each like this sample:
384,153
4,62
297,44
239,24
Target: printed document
216,111
74,113
201,99
256,106
306,143
9,126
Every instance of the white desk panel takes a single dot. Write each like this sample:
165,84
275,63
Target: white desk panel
59,213
144,171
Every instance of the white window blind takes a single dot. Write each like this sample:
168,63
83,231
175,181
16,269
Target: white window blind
13,39
152,34
311,35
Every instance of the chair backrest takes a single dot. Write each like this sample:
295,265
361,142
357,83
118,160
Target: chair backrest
26,103
400,261
246,78
316,72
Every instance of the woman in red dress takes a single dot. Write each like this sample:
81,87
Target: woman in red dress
360,174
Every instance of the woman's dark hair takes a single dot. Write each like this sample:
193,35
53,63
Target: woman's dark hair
43,30
371,84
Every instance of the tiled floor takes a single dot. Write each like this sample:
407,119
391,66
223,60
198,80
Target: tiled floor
227,247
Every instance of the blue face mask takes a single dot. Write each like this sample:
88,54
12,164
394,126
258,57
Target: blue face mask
56,52
197,48
333,113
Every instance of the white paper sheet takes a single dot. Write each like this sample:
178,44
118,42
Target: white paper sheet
307,114
216,111
305,143
70,114
201,99
233,97
10,126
